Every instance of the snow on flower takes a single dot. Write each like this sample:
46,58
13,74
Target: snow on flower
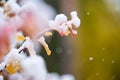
14,17
63,26
31,18
19,65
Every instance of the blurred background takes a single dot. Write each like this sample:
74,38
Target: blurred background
94,54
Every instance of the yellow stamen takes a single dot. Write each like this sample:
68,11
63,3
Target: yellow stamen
67,33
11,68
48,34
46,47
20,38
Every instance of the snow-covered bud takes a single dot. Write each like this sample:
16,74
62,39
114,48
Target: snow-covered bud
75,20
64,26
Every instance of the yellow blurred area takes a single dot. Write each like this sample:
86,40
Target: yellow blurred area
98,38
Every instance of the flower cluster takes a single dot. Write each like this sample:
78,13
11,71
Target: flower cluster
63,26
28,16
25,18
18,65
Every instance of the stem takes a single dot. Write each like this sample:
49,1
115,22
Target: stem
41,33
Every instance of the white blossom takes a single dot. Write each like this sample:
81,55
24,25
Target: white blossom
35,68
64,26
75,20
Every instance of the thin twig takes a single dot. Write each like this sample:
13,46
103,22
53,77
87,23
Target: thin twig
41,33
